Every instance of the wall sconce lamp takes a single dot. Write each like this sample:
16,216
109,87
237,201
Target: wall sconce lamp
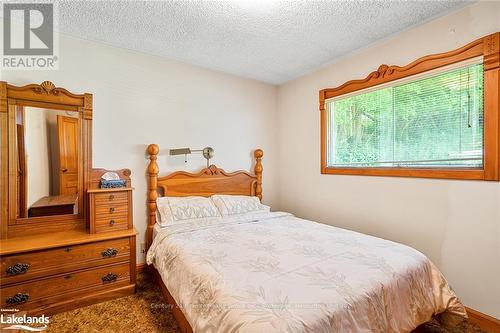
207,152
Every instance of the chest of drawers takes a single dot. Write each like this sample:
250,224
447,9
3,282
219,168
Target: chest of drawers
110,209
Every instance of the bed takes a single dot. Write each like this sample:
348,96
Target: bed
274,272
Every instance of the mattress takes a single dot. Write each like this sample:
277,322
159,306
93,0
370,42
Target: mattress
274,272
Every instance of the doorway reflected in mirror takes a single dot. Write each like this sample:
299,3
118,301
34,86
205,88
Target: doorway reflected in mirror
48,155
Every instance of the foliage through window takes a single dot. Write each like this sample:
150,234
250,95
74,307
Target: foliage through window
434,120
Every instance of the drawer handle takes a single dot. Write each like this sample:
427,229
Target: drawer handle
67,249
111,197
109,253
111,210
111,222
110,277
17,269
18,298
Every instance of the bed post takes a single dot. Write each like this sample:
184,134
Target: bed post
152,194
258,172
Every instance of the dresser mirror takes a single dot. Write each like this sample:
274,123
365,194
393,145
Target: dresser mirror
46,158
47,142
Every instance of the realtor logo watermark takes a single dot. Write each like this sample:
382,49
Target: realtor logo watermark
13,321
29,42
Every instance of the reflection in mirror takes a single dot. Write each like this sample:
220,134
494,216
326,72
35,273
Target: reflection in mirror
47,155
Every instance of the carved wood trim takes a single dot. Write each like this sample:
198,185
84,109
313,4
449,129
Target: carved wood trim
386,73
87,101
48,88
87,106
212,170
48,92
489,48
208,181
491,51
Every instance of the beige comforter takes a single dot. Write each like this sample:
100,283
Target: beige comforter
273,272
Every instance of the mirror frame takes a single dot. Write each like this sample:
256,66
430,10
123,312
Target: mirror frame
45,95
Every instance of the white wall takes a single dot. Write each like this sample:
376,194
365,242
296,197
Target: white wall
455,223
141,99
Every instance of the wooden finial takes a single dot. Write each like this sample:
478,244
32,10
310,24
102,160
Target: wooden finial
258,172
153,150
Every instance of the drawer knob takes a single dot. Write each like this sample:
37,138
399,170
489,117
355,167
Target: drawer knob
111,210
109,253
111,196
17,269
67,249
111,222
18,298
110,277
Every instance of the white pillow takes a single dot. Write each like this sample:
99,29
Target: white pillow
238,204
173,210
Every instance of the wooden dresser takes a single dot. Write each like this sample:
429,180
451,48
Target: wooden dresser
59,271
51,272
58,254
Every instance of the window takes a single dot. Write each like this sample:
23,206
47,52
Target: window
430,122
421,120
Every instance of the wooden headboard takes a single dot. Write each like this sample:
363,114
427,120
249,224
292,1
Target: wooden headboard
208,181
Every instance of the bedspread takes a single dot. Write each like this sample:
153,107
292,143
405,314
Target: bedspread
273,272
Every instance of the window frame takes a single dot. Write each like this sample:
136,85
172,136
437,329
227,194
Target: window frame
487,47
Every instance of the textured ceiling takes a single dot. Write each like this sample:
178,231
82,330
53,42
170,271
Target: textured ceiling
271,41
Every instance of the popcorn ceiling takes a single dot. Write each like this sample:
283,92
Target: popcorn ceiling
266,40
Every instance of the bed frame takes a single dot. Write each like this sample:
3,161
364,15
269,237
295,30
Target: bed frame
208,181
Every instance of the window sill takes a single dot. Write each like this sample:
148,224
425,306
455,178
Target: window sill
463,174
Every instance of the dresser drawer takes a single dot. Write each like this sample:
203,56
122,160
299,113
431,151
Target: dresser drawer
46,290
110,197
111,223
25,266
113,208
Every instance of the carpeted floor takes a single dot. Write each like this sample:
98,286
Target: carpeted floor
147,311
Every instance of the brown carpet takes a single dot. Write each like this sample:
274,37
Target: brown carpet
147,311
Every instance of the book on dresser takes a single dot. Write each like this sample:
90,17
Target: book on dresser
64,241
